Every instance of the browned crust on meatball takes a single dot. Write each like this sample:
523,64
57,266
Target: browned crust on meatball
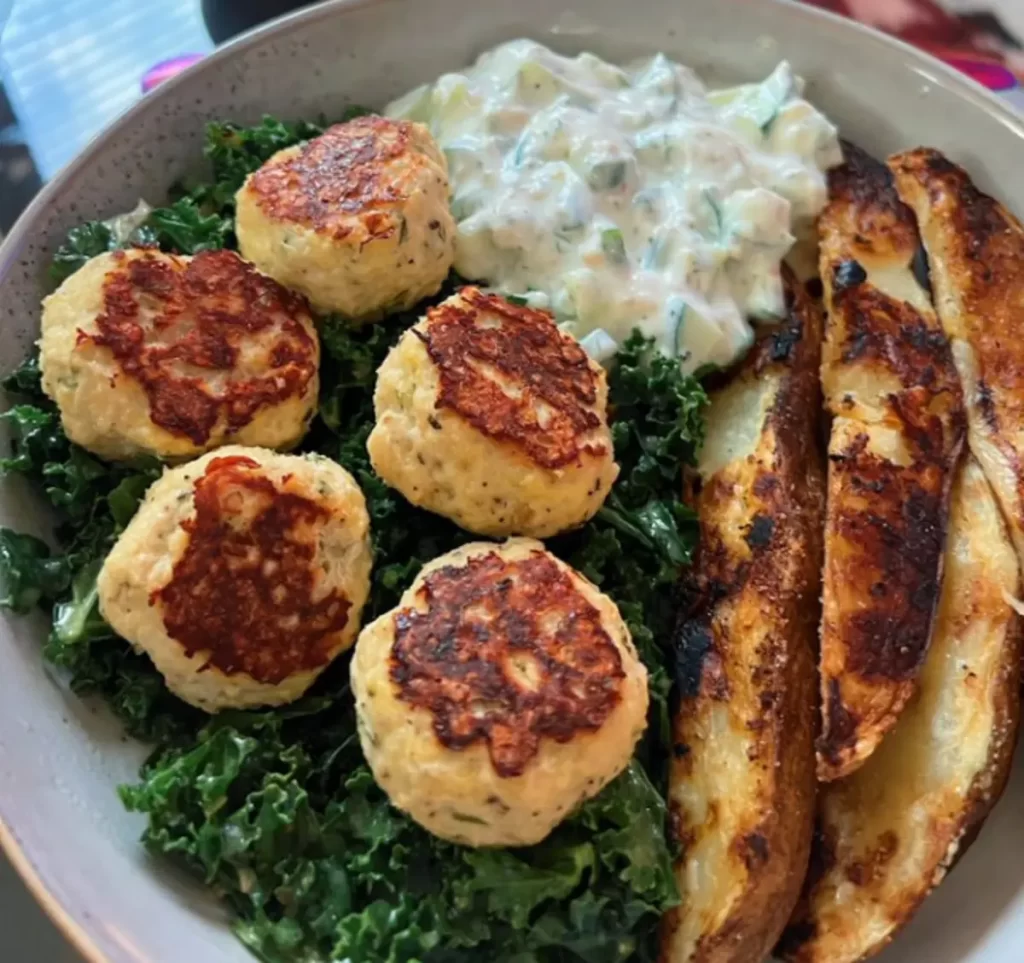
507,653
342,181
173,323
888,371
514,376
242,594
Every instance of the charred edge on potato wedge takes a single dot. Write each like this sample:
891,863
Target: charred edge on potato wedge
888,834
897,431
975,251
741,789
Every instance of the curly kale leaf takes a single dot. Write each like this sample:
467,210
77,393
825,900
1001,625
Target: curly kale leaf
185,228
26,381
658,427
77,483
278,811
94,502
96,660
234,152
202,215
29,572
405,537
643,536
81,244
37,439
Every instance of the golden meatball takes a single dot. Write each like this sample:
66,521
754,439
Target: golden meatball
148,353
357,218
242,575
489,415
501,693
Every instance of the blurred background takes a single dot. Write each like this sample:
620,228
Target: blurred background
67,67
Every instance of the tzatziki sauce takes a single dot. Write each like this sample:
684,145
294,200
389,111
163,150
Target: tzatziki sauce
622,198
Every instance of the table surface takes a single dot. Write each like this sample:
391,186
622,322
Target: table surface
28,935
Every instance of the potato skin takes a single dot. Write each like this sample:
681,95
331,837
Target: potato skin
898,428
741,783
975,251
242,575
147,353
502,692
489,415
889,833
357,219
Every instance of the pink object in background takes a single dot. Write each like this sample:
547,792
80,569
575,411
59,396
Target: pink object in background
992,75
978,46
166,69
923,23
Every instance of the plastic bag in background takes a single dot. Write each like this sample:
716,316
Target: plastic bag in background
977,44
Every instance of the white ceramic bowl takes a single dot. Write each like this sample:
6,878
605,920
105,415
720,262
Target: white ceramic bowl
60,758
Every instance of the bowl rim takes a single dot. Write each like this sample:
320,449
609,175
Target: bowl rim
868,38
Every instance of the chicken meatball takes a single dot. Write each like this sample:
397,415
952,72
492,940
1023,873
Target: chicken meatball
501,693
147,353
489,415
242,575
357,218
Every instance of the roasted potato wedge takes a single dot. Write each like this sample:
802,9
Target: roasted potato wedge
888,834
741,792
898,427
976,252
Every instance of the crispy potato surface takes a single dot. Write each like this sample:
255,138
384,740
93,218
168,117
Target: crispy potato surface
741,791
888,834
897,431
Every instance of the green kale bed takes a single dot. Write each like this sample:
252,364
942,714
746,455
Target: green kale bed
276,810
